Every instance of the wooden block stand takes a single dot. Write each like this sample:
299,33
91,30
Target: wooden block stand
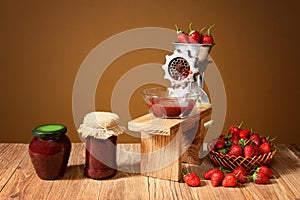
167,143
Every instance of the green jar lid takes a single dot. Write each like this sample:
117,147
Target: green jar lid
49,130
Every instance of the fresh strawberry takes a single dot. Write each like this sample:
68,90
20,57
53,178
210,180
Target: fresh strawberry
260,178
194,36
244,134
255,139
235,150
249,151
263,140
201,33
192,179
257,151
235,129
241,173
235,138
217,178
265,148
267,171
220,143
267,139
182,36
229,180
208,39
210,172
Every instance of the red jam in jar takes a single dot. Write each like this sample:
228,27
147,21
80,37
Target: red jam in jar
49,150
100,157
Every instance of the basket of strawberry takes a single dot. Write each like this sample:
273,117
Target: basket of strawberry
241,147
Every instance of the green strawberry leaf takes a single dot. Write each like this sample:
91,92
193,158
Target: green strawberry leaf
223,151
243,142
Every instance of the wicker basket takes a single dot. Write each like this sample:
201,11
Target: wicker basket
231,162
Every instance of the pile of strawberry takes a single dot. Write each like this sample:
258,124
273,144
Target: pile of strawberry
219,176
243,142
194,36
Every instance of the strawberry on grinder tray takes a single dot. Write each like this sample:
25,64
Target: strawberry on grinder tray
182,36
194,36
208,39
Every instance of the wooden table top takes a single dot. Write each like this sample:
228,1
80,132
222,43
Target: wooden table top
19,181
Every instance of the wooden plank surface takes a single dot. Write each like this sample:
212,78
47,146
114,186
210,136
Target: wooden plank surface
157,126
19,181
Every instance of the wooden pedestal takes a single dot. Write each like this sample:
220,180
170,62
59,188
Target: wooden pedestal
167,143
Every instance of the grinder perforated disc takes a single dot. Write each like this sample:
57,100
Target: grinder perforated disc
179,68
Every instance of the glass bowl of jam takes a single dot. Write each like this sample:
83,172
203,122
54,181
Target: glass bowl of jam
49,150
170,102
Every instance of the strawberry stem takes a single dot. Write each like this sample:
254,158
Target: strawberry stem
183,174
178,30
223,170
272,139
208,30
189,169
202,29
190,26
240,126
247,177
191,30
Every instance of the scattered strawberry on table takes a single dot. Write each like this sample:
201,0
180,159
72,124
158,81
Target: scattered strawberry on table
262,175
241,173
190,178
220,176
194,36
267,171
230,180
261,178
210,172
217,178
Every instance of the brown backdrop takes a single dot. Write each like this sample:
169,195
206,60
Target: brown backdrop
43,44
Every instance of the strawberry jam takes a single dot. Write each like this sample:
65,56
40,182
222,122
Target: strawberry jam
49,150
100,157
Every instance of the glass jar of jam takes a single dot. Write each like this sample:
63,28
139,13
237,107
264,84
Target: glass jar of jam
100,157
49,150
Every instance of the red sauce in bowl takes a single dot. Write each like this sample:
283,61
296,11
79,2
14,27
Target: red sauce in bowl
171,107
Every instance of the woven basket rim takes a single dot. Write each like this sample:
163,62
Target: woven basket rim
233,156
231,161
